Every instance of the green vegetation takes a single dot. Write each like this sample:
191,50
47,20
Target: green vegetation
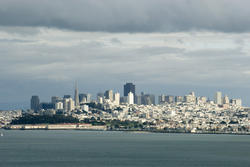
41,119
117,124
93,121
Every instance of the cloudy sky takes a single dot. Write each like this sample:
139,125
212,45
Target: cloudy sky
163,46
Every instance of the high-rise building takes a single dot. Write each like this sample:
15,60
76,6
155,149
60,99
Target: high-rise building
236,102
161,99
85,98
203,99
138,99
170,99
109,95
100,94
117,99
129,87
66,96
34,103
55,99
130,98
68,104
47,106
226,100
100,99
148,99
58,105
178,99
76,96
218,98
189,98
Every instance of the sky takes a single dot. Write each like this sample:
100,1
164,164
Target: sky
162,46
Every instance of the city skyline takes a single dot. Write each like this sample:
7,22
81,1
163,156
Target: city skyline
161,46
71,102
47,97
125,83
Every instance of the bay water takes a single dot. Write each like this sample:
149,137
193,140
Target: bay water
72,148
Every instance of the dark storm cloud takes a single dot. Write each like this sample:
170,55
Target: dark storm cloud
129,15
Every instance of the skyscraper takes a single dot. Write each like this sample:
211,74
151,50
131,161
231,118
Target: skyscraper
130,98
117,98
76,96
218,98
226,100
109,95
129,87
35,103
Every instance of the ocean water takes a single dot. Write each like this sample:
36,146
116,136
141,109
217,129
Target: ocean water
61,148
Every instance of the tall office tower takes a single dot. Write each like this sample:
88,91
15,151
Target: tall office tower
226,100
117,98
68,104
109,95
65,104
170,99
161,99
218,98
148,99
130,98
71,104
129,87
34,103
85,98
76,96
88,97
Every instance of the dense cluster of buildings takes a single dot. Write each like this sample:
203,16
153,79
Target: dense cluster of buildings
7,116
187,113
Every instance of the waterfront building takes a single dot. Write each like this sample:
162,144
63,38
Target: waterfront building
35,103
129,87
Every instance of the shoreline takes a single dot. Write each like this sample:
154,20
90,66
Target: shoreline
102,128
